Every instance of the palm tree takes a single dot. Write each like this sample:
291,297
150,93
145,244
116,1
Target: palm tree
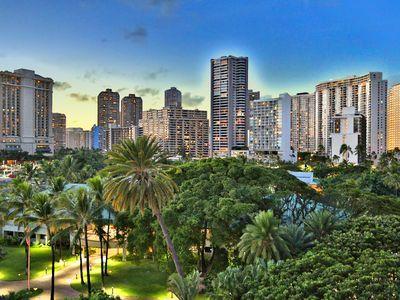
82,211
262,240
320,223
321,150
360,152
296,239
184,288
392,180
44,212
57,186
18,204
345,151
138,180
29,172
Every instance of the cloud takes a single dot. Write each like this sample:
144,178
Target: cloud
154,75
121,90
82,97
146,91
139,34
91,76
190,100
61,85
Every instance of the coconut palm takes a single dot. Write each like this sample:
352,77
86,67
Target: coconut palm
320,223
138,180
81,211
296,239
184,288
262,240
44,212
18,204
29,172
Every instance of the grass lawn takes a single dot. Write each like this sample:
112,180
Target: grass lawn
14,262
140,280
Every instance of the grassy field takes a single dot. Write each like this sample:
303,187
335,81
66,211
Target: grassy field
140,280
12,267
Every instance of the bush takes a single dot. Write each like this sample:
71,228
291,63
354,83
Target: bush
22,294
99,295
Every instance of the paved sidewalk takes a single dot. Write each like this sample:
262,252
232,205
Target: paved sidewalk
63,279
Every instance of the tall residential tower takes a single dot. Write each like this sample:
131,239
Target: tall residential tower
26,101
131,110
393,115
59,125
108,108
173,98
229,105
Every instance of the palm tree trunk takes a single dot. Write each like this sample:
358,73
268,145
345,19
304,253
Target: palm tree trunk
169,243
53,260
80,261
124,246
87,261
28,243
101,258
107,243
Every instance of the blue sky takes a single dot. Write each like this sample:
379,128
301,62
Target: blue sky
146,46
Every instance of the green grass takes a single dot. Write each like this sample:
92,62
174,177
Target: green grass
12,267
140,280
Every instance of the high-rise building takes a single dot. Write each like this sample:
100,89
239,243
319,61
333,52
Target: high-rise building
348,129
26,101
98,138
77,138
131,110
254,95
270,127
393,116
303,122
367,94
108,108
59,126
179,131
116,134
173,98
229,105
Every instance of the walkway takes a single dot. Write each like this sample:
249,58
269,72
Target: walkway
63,279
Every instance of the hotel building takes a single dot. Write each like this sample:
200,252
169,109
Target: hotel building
367,94
77,138
173,98
180,131
59,126
270,128
303,122
229,105
26,100
108,108
116,134
393,116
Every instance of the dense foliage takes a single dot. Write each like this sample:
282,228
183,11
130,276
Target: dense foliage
358,261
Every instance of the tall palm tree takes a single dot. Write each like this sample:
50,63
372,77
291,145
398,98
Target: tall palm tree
262,239
57,186
82,211
320,223
43,211
345,151
296,239
360,152
29,172
18,204
138,180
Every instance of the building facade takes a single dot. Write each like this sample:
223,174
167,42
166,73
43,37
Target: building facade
108,108
26,100
229,105
270,128
393,115
59,126
173,98
115,135
98,138
77,138
303,122
131,110
367,94
349,130
180,132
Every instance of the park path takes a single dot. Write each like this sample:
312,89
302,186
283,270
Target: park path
63,280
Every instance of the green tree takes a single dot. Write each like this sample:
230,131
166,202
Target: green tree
138,180
262,239
320,223
345,151
296,239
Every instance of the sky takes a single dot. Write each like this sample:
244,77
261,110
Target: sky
147,46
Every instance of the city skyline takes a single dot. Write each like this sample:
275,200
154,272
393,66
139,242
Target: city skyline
292,46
